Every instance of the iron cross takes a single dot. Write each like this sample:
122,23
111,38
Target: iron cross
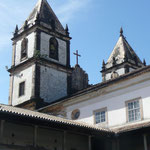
77,55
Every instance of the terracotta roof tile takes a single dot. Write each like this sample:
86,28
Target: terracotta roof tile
50,118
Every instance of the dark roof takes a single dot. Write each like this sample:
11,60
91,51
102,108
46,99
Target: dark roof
11,113
46,16
124,51
11,110
132,127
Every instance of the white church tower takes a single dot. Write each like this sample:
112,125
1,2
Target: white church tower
40,71
122,60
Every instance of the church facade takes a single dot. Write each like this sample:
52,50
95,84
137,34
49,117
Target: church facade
52,105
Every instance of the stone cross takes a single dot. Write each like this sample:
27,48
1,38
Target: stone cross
77,55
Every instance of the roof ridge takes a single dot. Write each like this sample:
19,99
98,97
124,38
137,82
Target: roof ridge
132,50
123,50
45,16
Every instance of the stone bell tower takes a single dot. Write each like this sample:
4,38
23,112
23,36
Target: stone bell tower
122,60
40,71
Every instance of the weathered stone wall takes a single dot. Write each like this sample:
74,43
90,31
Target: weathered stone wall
25,75
79,79
30,52
120,72
53,84
62,48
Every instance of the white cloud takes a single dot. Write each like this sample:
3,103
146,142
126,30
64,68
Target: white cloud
70,8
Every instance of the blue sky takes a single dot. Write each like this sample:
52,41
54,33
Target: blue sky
94,26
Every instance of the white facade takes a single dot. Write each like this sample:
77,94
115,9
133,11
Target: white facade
26,75
114,98
30,48
120,72
53,84
62,49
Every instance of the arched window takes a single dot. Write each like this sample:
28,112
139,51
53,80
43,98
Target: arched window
53,48
24,48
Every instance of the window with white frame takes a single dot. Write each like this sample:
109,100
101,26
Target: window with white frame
134,110
100,116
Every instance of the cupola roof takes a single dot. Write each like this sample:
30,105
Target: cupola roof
123,51
44,14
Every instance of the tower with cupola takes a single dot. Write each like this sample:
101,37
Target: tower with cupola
40,71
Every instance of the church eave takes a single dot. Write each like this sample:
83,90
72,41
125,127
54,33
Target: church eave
42,29
126,76
132,65
140,126
40,60
33,117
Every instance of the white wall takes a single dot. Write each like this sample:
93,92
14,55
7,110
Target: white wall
53,84
31,43
25,75
120,72
115,102
61,46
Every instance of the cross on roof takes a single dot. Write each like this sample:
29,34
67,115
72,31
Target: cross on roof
77,55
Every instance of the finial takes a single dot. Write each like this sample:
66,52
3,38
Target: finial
26,24
67,29
103,67
121,31
144,62
16,30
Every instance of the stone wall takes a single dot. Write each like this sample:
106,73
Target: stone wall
79,79
120,72
53,84
62,48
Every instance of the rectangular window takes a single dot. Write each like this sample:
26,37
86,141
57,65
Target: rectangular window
21,89
134,112
100,116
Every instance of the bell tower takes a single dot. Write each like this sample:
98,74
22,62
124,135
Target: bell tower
40,71
122,60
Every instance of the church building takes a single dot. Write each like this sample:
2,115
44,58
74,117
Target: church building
53,106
